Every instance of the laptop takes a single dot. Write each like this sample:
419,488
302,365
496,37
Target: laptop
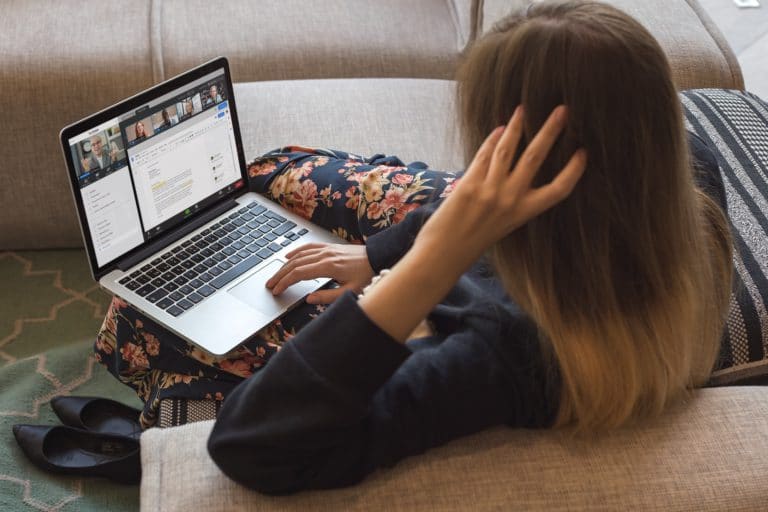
160,186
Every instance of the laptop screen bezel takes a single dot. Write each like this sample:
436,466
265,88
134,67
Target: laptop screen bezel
133,103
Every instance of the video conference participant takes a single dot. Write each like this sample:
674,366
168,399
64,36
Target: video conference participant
213,96
98,159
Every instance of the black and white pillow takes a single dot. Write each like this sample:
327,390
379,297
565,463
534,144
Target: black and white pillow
734,125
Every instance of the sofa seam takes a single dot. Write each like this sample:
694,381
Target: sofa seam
461,41
156,40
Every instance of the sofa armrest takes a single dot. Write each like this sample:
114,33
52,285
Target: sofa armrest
710,453
698,53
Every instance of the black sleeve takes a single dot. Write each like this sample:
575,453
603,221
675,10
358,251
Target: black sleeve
385,248
342,398
706,171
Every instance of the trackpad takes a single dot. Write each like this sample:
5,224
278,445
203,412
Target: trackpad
253,291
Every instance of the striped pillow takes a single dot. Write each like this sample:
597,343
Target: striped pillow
735,127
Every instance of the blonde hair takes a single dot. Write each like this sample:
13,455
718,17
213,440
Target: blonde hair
629,278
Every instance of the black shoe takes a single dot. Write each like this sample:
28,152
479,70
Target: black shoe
73,451
100,415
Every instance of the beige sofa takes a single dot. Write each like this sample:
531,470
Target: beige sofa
365,77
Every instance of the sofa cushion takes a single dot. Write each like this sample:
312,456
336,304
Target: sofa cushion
56,66
735,127
288,39
697,51
410,118
710,453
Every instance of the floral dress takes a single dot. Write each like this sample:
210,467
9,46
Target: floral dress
351,196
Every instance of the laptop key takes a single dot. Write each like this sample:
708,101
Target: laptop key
210,262
265,229
243,230
163,267
165,303
177,271
188,264
166,255
271,237
142,279
232,215
303,231
173,261
171,286
176,296
237,245
253,224
285,227
156,261
234,259
181,280
175,310
219,256
186,289
262,242
273,223
197,258
238,222
225,240
211,238
264,253
196,238
145,290
158,282
196,283
194,297
243,209
168,276
157,295
224,265
206,290
254,247
243,253
274,247
236,271
229,251
215,271
261,219
247,216
235,235
190,274
286,243
125,279
205,277
246,239
205,232
176,249
273,215
145,268
200,268
132,285
207,252
182,255
153,273
256,208
184,304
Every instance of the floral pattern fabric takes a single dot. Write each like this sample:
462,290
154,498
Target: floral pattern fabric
352,196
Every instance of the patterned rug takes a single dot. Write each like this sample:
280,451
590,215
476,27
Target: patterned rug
50,311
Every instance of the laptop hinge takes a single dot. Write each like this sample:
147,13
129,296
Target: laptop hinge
176,234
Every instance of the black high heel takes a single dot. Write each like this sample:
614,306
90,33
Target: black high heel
72,451
100,415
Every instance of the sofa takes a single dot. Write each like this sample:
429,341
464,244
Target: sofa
366,77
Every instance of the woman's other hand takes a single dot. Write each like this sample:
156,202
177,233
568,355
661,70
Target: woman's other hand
346,264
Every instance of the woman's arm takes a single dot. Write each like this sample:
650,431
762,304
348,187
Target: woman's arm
343,397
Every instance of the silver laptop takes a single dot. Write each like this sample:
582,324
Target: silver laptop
160,185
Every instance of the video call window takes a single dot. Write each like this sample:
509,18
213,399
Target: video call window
164,119
139,131
213,94
188,107
99,152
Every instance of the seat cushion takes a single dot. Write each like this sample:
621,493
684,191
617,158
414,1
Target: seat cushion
411,118
708,454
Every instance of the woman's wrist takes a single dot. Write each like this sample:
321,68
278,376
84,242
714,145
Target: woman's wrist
421,277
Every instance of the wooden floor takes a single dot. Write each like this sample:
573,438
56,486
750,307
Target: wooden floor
747,32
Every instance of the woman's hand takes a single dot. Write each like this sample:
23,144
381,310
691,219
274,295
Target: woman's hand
346,264
492,199
495,197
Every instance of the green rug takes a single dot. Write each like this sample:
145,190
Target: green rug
50,311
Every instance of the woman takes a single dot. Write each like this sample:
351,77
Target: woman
609,285
140,131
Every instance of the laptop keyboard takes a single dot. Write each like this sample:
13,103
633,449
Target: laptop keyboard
191,271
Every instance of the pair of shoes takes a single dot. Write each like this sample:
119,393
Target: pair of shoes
100,437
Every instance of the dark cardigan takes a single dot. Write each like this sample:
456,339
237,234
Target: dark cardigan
343,398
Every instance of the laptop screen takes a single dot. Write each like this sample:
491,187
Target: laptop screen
144,171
